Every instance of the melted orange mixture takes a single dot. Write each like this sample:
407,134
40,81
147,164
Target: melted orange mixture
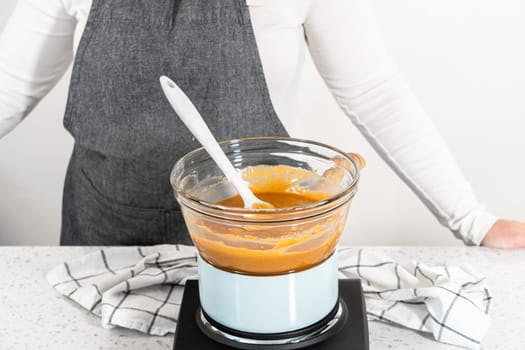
278,200
270,248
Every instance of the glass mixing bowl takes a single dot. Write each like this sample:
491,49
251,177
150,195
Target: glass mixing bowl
266,242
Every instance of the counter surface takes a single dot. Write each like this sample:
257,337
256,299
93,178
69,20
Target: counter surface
34,316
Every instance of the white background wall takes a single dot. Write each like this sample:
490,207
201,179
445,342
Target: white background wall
465,61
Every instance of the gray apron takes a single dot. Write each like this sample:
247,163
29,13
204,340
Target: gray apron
127,138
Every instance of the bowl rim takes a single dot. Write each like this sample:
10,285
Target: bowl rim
348,191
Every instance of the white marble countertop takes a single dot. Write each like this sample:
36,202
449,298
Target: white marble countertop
34,316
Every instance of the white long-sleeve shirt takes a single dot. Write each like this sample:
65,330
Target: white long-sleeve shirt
41,37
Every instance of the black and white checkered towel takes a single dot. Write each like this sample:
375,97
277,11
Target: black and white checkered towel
141,288
451,302
137,288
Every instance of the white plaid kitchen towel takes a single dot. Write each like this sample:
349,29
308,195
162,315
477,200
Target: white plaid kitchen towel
141,288
451,302
132,287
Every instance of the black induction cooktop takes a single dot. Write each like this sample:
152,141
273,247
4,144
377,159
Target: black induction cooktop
353,335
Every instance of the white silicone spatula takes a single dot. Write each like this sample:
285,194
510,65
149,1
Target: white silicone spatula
193,120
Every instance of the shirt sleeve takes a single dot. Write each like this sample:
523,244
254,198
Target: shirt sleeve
348,53
36,47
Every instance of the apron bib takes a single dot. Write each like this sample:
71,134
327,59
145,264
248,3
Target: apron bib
127,137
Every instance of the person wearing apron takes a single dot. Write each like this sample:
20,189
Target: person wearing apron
127,137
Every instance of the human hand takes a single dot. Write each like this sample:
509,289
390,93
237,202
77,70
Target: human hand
506,234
